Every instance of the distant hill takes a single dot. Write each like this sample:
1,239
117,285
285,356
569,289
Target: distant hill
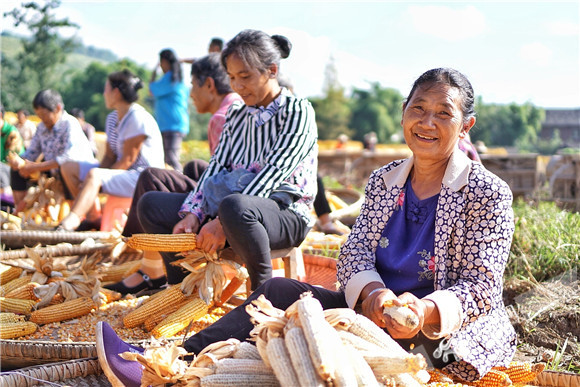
80,58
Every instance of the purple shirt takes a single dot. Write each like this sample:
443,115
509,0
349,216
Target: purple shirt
404,256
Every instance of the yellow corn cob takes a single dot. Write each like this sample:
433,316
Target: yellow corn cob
16,305
8,273
401,314
110,295
494,378
445,384
387,363
14,284
242,366
57,299
154,320
222,380
64,311
163,242
163,300
16,329
245,350
116,273
439,376
180,319
11,318
25,292
279,360
299,355
522,372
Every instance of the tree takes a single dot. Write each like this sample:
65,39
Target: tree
376,110
508,125
34,68
333,111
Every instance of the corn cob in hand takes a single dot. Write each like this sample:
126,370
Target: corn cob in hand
401,314
163,242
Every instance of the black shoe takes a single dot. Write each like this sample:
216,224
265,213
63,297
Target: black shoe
146,284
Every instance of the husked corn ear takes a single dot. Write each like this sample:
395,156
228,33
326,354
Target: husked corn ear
242,366
299,355
116,273
387,363
57,299
14,284
8,273
162,300
16,329
401,314
25,292
110,295
16,305
163,242
279,360
10,318
180,319
64,311
522,372
245,350
236,380
364,374
494,378
154,320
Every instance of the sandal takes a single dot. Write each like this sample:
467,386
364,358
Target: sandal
147,284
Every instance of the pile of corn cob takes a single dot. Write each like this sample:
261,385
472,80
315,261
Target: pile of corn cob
306,346
175,308
45,205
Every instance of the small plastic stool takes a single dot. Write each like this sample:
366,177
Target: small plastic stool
114,212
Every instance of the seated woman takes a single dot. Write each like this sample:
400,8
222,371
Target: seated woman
211,93
58,139
434,233
133,144
271,139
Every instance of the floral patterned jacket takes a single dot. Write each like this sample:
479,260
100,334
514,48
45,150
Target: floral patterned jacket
474,227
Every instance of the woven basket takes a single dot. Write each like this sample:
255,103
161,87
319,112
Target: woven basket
80,372
19,239
18,353
557,379
320,270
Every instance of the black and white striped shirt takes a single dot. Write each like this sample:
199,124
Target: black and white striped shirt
281,150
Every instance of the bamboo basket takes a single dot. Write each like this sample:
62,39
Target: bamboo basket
557,379
19,239
320,270
18,353
57,251
79,372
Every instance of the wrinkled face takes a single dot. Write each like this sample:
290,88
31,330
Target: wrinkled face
48,118
433,121
200,95
249,83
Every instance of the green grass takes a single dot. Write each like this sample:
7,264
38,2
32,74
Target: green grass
546,241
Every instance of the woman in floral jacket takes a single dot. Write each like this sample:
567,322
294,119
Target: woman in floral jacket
434,233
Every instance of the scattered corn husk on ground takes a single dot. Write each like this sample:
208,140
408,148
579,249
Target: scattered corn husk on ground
161,363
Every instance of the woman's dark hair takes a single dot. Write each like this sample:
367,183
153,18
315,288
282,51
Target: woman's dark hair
24,111
257,49
210,67
453,78
127,83
48,99
78,113
170,57
217,42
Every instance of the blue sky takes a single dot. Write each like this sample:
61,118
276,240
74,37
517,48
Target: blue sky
511,51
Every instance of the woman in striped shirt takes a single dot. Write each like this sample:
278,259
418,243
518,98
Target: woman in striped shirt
258,190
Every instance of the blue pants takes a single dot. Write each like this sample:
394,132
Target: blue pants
253,226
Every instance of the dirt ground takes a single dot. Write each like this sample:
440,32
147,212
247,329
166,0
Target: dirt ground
546,317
